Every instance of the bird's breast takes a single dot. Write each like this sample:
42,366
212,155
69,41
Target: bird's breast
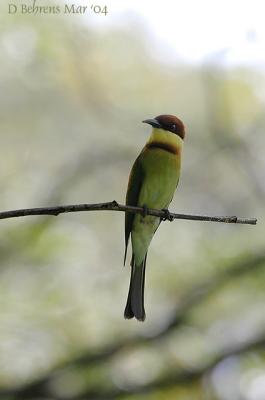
161,175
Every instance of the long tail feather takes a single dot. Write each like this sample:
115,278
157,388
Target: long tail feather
135,300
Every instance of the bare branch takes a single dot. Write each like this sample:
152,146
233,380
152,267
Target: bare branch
114,206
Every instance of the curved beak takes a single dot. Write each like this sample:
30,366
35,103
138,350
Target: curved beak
153,122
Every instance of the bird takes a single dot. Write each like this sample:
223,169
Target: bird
152,183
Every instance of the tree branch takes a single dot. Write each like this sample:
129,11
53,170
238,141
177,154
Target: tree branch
170,380
40,387
114,206
190,375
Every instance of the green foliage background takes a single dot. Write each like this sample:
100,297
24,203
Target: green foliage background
71,104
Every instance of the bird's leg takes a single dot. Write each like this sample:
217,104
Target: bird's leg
167,216
145,210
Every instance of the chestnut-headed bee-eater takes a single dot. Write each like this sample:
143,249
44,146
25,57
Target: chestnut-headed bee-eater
152,183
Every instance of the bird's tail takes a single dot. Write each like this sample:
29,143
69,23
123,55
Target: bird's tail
135,300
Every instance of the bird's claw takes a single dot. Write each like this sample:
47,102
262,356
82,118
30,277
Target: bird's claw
145,210
114,203
167,216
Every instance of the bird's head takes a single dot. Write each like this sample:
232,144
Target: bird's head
168,123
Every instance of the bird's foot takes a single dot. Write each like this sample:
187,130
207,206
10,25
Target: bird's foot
145,210
114,203
167,216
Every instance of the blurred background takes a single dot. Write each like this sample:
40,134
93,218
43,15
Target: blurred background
74,90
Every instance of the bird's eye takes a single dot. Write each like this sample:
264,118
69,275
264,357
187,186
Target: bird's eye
173,126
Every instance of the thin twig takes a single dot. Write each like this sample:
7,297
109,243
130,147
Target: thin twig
114,206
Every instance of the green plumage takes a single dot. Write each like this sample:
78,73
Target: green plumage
152,183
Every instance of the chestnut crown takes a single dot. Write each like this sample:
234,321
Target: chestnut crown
168,123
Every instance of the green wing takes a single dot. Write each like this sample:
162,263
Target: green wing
132,195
